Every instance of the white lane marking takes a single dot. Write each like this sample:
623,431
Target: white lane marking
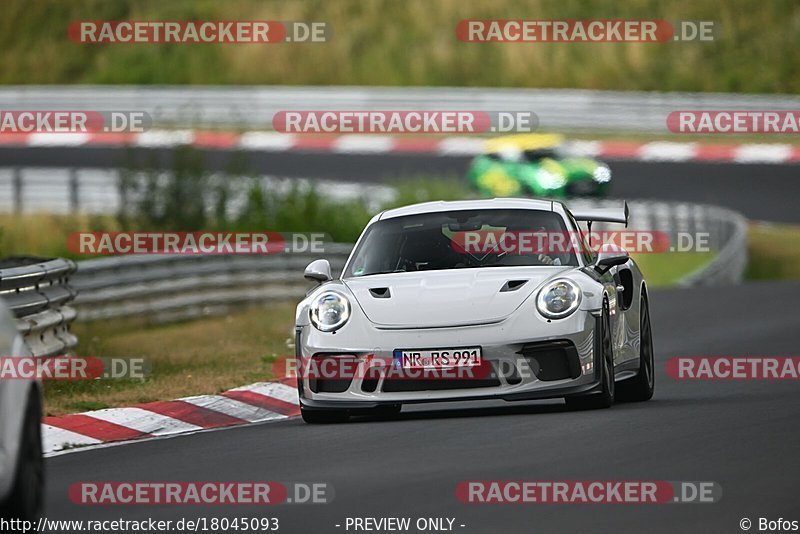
274,390
461,146
234,408
165,138
266,141
668,151
57,139
143,421
363,144
57,439
766,153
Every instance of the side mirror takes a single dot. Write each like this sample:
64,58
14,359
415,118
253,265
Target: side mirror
318,271
608,257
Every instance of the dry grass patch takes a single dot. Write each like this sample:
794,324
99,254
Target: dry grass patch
774,252
206,356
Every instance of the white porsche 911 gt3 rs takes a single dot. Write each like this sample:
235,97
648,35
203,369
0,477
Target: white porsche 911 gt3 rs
467,300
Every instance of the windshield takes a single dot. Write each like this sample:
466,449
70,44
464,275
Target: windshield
460,240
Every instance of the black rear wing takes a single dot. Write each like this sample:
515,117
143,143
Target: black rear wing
612,215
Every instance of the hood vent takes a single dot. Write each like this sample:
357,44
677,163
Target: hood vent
512,285
380,292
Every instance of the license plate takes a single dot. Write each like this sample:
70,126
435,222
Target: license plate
438,358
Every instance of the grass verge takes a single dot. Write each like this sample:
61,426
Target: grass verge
774,252
40,234
385,42
206,356
666,268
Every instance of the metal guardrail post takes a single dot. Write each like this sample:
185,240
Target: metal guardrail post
74,191
17,189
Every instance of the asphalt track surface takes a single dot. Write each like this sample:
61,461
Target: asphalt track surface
759,191
742,434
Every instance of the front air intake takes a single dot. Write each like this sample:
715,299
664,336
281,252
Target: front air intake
552,360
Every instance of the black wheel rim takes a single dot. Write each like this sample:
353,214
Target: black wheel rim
607,353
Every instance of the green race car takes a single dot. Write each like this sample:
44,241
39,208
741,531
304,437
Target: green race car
536,165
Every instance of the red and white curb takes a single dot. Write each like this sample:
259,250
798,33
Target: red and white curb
256,403
386,144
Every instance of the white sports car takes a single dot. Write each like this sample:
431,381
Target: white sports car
21,463
467,300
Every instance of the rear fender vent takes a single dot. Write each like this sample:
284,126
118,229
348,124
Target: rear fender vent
512,285
380,292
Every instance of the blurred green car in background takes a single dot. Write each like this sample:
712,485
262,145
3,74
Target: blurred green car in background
536,165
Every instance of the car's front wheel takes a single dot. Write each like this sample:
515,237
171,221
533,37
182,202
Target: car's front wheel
27,494
605,397
323,417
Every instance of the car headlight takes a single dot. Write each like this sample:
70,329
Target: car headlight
330,311
558,299
602,174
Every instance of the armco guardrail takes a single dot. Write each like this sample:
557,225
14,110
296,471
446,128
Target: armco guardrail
169,287
86,190
253,107
37,291
729,265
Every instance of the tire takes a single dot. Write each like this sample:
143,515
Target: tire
324,417
641,387
26,500
605,397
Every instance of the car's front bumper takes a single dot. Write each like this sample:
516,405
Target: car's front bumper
506,346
